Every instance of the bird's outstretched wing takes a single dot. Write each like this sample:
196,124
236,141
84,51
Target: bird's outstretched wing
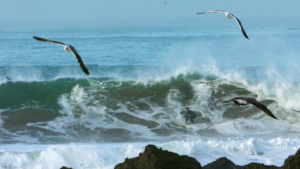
296,110
213,11
241,26
241,98
263,108
79,60
50,41
228,101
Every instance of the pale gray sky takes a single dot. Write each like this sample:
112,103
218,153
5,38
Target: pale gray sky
69,10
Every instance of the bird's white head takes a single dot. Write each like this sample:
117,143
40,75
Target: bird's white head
228,15
67,48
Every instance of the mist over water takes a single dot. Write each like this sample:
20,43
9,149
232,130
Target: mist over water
141,80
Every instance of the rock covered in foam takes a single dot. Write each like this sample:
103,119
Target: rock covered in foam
154,158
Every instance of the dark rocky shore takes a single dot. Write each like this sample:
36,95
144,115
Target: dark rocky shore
155,158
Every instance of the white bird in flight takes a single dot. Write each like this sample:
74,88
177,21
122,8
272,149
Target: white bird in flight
228,16
68,48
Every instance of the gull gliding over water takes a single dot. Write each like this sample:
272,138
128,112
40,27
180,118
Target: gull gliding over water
68,48
228,16
249,100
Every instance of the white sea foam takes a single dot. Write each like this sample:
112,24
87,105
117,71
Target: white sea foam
72,155
24,74
105,156
272,61
84,106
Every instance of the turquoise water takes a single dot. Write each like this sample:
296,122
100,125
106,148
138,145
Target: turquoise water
141,79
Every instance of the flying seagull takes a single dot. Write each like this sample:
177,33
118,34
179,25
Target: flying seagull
228,16
68,48
249,100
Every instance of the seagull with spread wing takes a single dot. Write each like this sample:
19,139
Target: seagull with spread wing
228,16
68,48
249,100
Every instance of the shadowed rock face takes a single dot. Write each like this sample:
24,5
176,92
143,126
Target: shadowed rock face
63,167
154,158
223,163
292,162
259,166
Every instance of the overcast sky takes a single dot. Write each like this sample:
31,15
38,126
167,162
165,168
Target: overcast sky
70,10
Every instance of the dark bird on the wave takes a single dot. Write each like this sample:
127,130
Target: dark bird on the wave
7,78
68,48
228,16
296,110
249,100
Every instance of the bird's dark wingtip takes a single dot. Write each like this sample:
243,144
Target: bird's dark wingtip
36,38
273,116
86,72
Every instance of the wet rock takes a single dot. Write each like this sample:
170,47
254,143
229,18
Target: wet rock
63,167
154,158
223,163
292,162
259,166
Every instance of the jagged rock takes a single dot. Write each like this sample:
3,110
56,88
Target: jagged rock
223,163
292,162
259,166
63,167
154,158
286,161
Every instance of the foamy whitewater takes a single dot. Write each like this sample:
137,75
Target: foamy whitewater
141,79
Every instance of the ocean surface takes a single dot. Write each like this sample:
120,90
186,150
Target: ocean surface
141,79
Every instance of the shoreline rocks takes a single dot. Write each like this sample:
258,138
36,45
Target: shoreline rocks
223,163
63,167
155,158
